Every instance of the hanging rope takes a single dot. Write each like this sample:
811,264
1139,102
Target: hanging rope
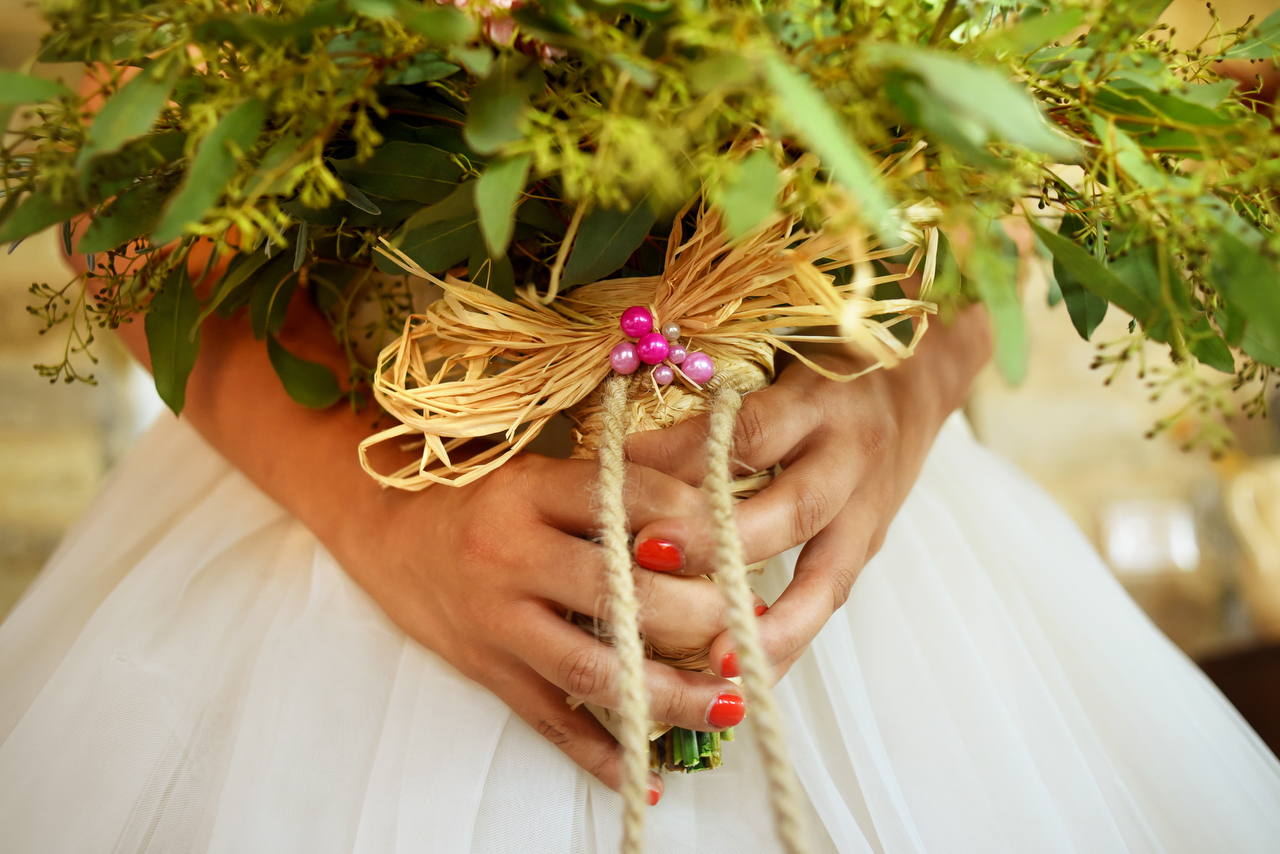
757,672
624,614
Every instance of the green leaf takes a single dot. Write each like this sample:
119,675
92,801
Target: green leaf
1251,285
921,108
992,266
442,24
494,273
309,383
128,114
1094,275
982,96
1086,308
18,88
170,322
37,212
426,67
460,203
1264,42
271,295
211,169
1208,348
130,215
605,241
438,246
538,215
748,193
403,170
802,107
1031,32
391,212
497,192
239,272
495,116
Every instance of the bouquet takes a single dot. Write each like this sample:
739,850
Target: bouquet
630,207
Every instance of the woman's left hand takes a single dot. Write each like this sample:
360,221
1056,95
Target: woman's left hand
850,453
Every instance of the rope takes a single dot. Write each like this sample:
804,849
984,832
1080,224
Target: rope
624,614
731,572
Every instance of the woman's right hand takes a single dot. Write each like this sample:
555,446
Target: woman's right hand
483,575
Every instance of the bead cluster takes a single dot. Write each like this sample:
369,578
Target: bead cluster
657,349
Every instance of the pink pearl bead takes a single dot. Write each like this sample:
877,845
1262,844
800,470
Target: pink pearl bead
653,348
698,367
663,375
624,359
636,321
677,354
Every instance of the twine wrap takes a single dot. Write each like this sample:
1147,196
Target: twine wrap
475,365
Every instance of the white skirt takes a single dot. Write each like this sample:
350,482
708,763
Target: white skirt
193,672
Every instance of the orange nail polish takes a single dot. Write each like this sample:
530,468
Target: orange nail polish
654,795
729,665
760,609
726,710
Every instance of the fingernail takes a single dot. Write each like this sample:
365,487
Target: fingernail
760,609
659,555
654,795
729,665
726,710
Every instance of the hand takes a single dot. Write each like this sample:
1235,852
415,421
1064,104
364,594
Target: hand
483,575
850,453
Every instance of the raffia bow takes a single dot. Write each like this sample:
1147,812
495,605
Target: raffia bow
477,365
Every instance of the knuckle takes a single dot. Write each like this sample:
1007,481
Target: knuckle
842,579
750,436
810,513
878,437
479,542
583,673
669,705
555,729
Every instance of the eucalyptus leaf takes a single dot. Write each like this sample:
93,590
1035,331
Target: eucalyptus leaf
802,107
403,170
271,295
496,114
1094,275
747,196
239,272
497,192
1086,308
37,212
605,241
1033,31
128,114
980,95
436,246
129,216
18,88
1251,286
309,383
173,337
357,199
1263,43
992,266
211,169
492,272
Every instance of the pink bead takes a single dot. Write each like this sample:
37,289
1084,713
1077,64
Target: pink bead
653,348
677,354
663,375
636,321
624,359
698,367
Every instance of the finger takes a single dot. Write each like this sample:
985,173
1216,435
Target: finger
771,423
675,612
579,735
824,576
791,510
589,670
565,494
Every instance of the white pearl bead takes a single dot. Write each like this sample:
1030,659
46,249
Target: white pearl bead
671,330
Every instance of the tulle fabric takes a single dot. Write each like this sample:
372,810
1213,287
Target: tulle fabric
193,672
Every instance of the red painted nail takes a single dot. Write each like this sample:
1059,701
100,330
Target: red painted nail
760,609
659,555
729,665
726,710
654,794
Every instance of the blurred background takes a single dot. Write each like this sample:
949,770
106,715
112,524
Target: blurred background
1195,540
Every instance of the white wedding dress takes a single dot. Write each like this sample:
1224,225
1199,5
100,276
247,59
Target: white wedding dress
194,673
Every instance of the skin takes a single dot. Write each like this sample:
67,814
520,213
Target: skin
482,574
